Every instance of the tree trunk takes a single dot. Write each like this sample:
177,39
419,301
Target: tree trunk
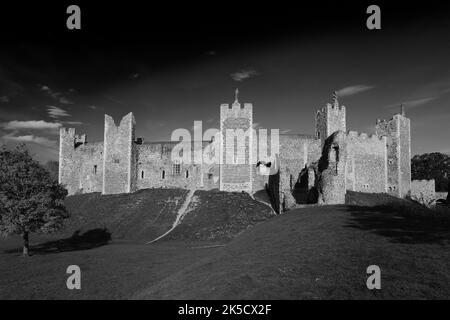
25,243
448,193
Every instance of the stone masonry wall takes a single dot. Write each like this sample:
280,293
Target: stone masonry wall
366,168
118,169
80,163
330,119
423,191
397,131
236,177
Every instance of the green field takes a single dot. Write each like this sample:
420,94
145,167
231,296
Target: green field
232,247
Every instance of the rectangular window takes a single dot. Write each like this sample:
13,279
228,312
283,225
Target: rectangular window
163,174
176,169
116,161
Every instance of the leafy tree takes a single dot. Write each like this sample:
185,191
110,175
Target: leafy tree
53,168
432,166
30,200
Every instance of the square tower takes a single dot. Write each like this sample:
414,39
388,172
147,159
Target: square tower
398,133
119,156
236,124
330,119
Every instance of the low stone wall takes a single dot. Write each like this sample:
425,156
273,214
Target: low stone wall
423,191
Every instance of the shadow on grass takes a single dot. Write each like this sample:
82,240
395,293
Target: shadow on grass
90,239
403,224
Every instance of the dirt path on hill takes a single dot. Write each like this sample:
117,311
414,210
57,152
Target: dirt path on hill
180,215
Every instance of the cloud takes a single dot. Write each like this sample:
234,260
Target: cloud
30,125
73,123
56,112
57,96
134,76
352,90
412,103
242,75
418,102
4,99
30,139
64,100
93,107
285,131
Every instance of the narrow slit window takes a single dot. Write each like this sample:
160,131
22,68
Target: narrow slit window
187,174
163,174
142,174
94,170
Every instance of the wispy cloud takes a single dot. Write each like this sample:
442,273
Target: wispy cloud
242,75
412,103
58,96
30,139
352,90
4,99
30,125
73,123
56,112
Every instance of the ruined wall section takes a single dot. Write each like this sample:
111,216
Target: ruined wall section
236,176
397,131
366,167
296,153
423,191
119,170
331,182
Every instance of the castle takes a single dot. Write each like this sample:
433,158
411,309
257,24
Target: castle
310,168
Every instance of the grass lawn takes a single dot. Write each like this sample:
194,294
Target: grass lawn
308,253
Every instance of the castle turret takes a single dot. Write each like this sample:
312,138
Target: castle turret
68,162
398,133
330,119
119,156
236,125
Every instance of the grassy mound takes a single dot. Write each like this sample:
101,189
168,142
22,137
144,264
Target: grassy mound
142,215
215,215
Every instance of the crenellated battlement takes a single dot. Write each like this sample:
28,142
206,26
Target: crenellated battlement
67,132
365,136
236,110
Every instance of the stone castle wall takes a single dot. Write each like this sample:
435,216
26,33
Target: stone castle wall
423,191
366,168
122,163
155,168
330,119
80,163
397,131
237,119
119,156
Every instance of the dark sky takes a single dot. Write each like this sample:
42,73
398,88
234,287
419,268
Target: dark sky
175,63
